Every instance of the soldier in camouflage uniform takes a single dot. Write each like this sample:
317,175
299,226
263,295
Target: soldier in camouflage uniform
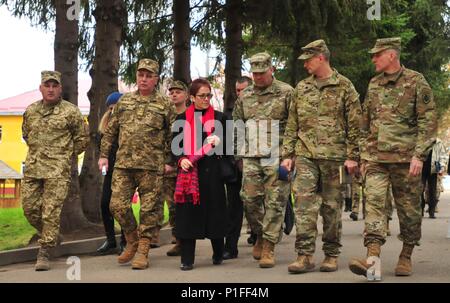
398,130
265,103
141,123
54,131
322,132
179,95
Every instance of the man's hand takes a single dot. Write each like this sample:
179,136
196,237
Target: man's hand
351,166
416,167
287,163
186,164
168,169
213,139
102,162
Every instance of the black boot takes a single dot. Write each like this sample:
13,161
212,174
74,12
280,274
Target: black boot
252,239
107,248
348,205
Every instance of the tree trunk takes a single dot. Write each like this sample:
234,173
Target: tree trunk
182,41
110,18
233,50
66,62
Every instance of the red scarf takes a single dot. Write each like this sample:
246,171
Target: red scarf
187,186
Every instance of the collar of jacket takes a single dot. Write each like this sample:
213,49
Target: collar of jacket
386,78
333,80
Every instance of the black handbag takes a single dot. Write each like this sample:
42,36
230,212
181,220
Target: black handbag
289,217
228,170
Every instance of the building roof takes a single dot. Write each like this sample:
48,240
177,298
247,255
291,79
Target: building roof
6,172
15,106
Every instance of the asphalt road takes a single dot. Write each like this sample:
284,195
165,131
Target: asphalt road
431,261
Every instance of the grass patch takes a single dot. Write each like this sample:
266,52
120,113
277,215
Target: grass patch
15,231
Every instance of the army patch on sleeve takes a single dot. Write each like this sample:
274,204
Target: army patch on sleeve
426,98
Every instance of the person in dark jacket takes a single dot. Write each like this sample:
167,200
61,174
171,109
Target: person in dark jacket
110,245
200,191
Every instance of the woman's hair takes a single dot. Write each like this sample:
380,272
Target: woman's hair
197,84
104,121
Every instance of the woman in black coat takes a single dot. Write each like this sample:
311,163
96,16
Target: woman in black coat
202,216
110,245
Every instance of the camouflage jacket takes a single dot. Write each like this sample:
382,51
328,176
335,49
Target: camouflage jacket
323,120
143,128
254,105
54,133
399,119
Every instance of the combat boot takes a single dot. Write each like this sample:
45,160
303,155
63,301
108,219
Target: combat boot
360,266
304,263
267,255
257,248
130,248
175,250
42,261
140,261
404,266
329,264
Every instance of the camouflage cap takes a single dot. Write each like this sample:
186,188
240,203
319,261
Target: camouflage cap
386,43
178,84
313,48
48,75
260,62
149,64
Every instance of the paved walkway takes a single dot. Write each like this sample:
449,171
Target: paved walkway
431,261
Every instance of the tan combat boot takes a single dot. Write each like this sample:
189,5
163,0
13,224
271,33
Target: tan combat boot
329,264
404,266
304,263
140,260
360,266
267,255
131,248
175,250
257,248
42,261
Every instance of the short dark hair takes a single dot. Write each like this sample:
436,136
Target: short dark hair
197,84
243,79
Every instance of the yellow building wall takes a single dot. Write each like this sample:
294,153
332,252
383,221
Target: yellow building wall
13,150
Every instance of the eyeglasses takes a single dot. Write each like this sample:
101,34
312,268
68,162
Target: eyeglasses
205,96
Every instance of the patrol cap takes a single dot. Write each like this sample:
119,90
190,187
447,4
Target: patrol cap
178,84
149,64
260,62
313,48
386,43
48,75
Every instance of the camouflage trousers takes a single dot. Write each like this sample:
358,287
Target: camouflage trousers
358,195
264,198
42,201
167,194
124,183
406,192
317,191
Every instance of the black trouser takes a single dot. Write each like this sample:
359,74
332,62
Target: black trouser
235,213
188,250
108,219
430,180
